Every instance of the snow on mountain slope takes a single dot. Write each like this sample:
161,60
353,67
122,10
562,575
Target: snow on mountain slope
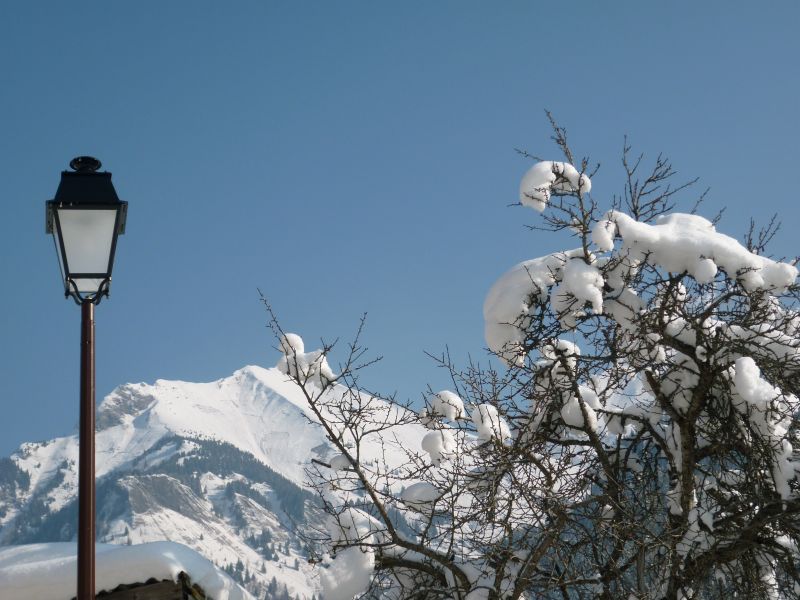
217,466
161,508
257,410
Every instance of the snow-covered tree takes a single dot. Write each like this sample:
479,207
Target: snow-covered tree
637,442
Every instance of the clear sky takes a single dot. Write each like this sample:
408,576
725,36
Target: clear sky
348,157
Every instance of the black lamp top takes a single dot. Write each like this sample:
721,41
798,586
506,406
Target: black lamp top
85,164
84,185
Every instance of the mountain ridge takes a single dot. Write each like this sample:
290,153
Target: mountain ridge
218,466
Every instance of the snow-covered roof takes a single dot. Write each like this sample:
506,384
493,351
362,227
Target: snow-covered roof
49,571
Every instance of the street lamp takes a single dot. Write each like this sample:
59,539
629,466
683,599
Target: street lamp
85,218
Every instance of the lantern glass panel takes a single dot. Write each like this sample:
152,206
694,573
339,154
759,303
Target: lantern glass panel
88,236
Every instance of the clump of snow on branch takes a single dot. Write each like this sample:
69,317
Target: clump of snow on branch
624,306
547,178
681,242
769,410
349,573
507,305
558,349
304,366
448,404
444,404
574,409
581,283
440,444
420,494
489,424
340,462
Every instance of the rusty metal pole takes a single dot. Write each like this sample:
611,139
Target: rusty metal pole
86,492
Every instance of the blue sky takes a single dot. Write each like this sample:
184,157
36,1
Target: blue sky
348,157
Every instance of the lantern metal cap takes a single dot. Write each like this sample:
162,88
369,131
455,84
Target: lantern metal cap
85,164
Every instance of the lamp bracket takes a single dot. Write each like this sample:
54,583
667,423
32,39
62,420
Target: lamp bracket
79,298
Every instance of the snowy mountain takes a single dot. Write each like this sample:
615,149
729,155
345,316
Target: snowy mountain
216,466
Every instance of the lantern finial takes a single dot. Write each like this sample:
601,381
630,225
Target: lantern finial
85,164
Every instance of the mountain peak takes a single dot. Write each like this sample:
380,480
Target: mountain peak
255,409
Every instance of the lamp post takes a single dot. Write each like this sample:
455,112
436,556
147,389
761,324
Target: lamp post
85,218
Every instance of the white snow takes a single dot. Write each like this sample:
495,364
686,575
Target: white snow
489,423
547,178
292,343
770,412
581,283
440,444
353,525
624,306
561,348
257,410
507,305
306,366
572,416
448,405
420,494
49,571
572,280
349,575
682,242
340,463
